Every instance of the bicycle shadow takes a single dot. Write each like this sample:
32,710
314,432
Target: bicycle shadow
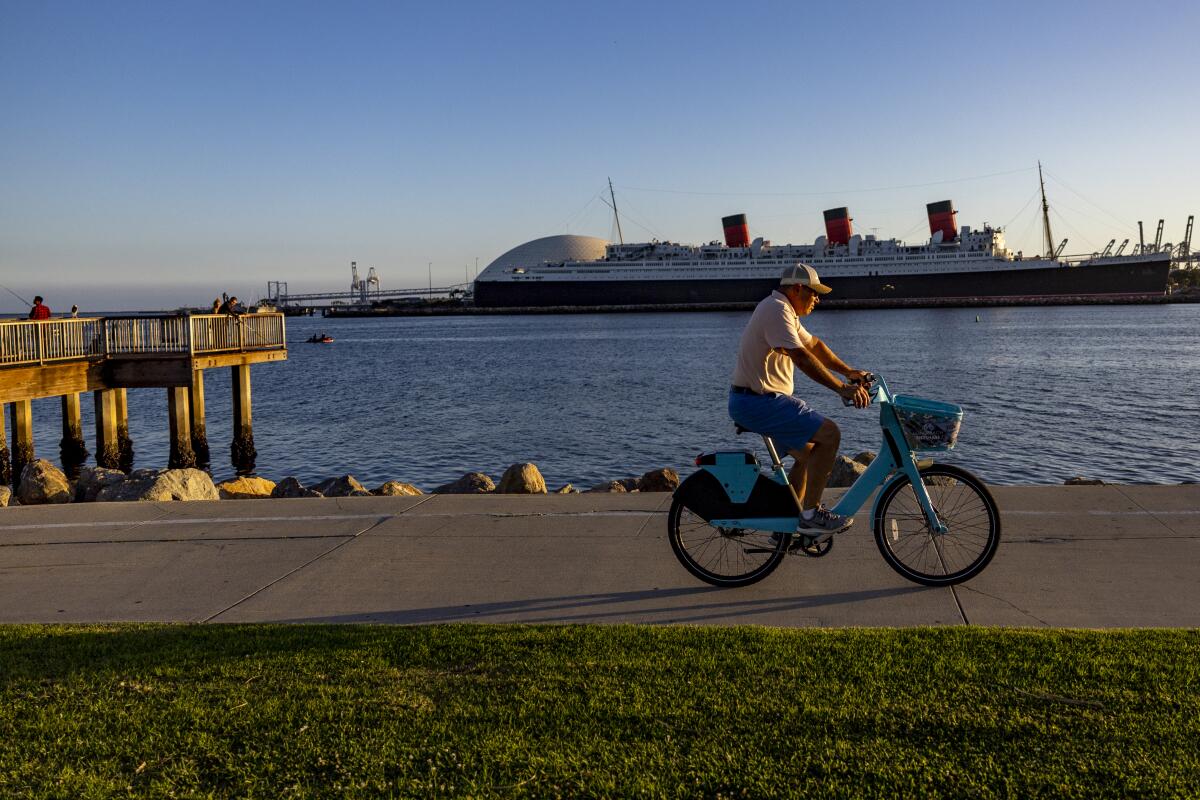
641,607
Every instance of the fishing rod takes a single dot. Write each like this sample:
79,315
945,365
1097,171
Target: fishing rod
14,294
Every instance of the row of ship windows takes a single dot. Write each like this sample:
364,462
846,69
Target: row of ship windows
778,262
640,273
846,260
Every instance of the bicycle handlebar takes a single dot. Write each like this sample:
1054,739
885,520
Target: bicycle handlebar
867,381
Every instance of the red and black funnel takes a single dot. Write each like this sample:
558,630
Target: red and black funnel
942,217
737,231
838,225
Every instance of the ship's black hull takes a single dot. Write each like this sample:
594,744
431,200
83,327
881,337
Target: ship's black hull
1143,278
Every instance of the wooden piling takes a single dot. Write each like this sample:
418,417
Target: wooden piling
124,442
22,436
72,447
242,449
5,461
108,452
181,455
199,428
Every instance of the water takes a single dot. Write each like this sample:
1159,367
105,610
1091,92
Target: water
1048,393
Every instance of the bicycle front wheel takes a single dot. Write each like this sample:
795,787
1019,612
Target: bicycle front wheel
725,557
964,506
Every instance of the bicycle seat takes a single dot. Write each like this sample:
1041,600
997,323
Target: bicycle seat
739,429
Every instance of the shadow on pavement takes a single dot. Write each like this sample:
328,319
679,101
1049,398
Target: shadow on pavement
592,608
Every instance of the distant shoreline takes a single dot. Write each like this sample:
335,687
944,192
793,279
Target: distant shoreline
446,309
441,309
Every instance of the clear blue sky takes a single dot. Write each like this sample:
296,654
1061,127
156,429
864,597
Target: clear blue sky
156,153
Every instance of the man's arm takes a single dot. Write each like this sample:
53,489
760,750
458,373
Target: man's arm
806,359
811,365
829,359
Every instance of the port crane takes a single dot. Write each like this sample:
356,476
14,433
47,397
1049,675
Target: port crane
362,286
1185,255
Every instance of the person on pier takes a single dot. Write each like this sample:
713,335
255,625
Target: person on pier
230,306
39,310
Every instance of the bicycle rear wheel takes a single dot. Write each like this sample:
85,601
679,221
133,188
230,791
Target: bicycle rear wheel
725,557
965,507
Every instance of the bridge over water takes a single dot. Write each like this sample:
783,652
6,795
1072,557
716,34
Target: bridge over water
279,297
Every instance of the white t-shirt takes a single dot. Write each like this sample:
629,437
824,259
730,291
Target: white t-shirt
773,324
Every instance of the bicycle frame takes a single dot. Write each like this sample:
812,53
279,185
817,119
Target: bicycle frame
894,457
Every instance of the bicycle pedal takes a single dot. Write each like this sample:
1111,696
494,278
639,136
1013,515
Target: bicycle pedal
812,547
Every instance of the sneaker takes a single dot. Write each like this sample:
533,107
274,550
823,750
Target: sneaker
823,522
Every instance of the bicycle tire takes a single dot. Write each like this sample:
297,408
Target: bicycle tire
719,556
965,506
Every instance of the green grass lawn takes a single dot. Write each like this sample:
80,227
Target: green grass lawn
275,711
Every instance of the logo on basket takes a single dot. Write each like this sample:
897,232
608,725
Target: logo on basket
926,430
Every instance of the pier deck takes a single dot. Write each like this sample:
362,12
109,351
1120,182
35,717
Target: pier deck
62,356
1078,556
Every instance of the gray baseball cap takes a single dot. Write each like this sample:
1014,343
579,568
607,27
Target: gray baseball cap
803,275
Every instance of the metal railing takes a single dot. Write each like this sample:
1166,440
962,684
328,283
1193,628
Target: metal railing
40,342
146,336
216,333
31,342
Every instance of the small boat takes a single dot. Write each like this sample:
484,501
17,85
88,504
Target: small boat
324,338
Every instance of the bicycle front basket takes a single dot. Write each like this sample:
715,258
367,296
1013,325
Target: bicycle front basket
928,424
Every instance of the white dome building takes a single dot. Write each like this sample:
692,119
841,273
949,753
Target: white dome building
548,249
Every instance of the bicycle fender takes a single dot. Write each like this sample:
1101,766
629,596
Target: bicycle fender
707,496
737,471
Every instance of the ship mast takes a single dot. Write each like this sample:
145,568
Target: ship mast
616,216
1046,215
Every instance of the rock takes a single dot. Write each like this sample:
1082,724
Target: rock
42,482
566,489
290,487
246,489
345,486
471,483
1079,480
93,480
610,486
659,480
845,472
157,485
397,489
865,458
5,495
522,479
630,484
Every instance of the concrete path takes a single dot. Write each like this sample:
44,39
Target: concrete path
1088,556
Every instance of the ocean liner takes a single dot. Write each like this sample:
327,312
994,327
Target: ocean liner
956,265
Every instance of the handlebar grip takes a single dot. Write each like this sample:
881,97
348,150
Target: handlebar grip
867,380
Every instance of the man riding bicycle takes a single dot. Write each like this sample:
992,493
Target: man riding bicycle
761,400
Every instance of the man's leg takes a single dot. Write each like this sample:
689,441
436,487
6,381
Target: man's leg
822,450
798,477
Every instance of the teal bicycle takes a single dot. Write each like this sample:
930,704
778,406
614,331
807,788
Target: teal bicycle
731,525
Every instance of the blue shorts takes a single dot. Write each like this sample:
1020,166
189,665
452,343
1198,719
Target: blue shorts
788,420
